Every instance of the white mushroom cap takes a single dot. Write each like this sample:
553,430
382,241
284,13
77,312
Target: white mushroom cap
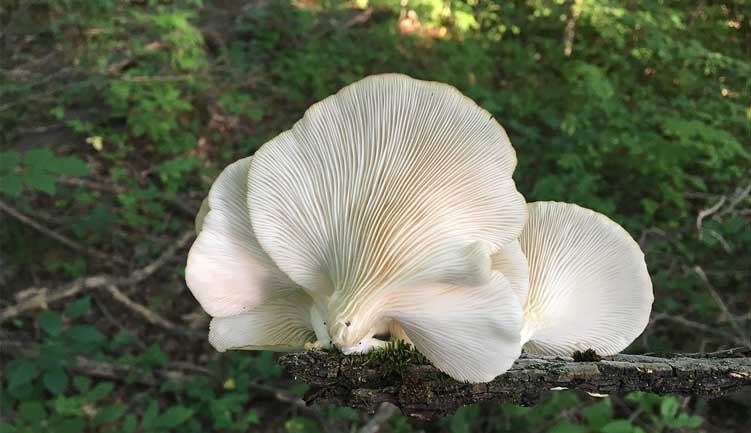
470,333
235,281
588,283
392,183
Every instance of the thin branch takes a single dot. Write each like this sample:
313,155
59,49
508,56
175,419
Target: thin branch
708,212
741,195
569,33
718,299
660,317
42,297
70,243
107,370
148,270
156,78
150,316
110,318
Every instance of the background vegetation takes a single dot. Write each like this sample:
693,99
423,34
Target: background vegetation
116,115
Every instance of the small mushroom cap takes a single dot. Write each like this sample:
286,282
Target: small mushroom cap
470,333
588,283
387,183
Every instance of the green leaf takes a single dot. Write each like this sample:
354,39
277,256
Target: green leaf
56,381
685,421
70,425
50,322
68,405
598,414
619,426
567,427
32,411
81,383
669,408
130,424
9,161
301,425
85,334
38,157
6,427
250,418
70,166
464,419
78,308
149,415
100,391
109,414
21,372
11,184
173,417
256,114
39,181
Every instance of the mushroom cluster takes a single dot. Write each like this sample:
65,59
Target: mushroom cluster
389,211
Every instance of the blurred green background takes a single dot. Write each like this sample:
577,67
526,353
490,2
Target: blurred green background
116,115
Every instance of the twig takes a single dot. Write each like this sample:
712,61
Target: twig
146,271
10,210
742,194
708,212
107,370
155,78
644,237
43,297
147,314
570,31
77,181
110,318
716,296
695,325
360,18
385,411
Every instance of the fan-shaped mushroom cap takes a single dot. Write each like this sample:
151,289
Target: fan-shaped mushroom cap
470,333
233,279
391,183
588,283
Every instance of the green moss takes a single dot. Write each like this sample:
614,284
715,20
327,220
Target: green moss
588,355
396,357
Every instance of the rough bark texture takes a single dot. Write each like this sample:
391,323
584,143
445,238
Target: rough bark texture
421,391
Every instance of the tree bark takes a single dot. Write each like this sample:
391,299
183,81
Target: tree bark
421,391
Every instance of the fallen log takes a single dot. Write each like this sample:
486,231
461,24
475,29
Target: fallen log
407,380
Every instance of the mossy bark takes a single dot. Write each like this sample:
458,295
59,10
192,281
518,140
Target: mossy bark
421,391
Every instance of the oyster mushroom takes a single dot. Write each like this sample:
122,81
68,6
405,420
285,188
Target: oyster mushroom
588,284
388,198
379,209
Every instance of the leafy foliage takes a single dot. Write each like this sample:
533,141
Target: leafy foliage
115,116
